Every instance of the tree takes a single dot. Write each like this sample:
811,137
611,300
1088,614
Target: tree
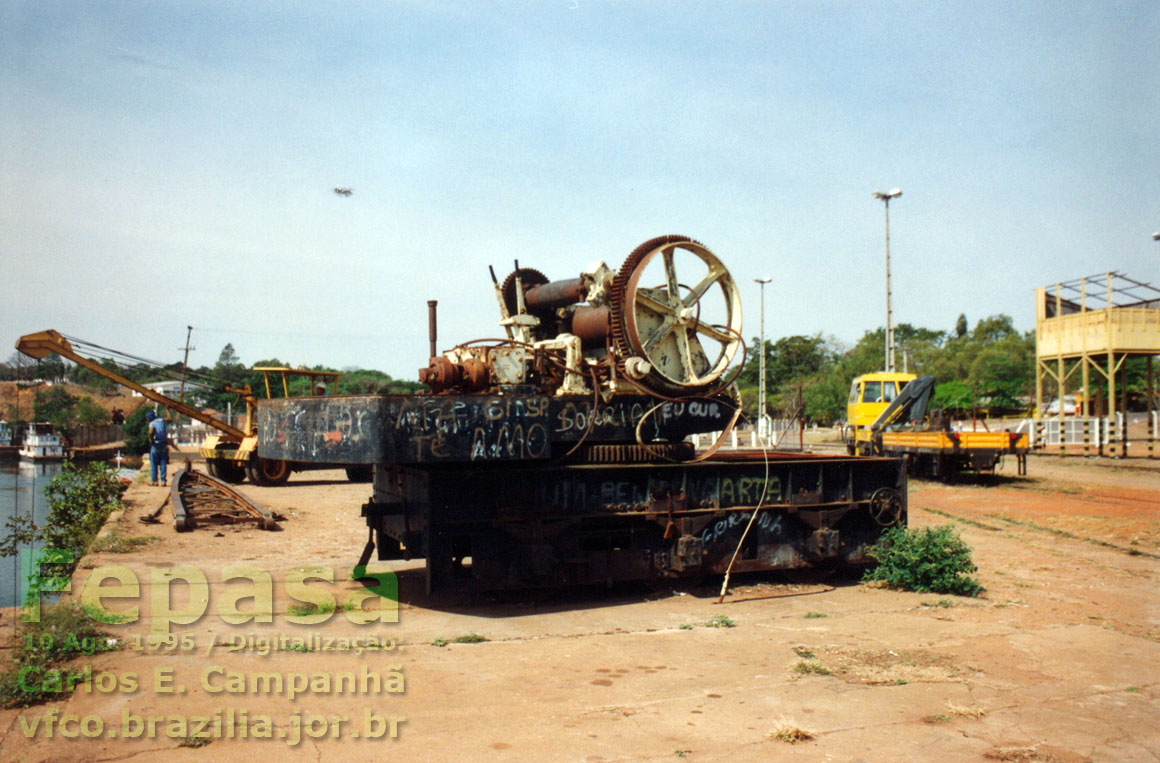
88,412
228,359
54,405
961,326
51,368
136,431
1002,372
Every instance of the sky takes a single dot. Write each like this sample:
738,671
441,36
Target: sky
165,165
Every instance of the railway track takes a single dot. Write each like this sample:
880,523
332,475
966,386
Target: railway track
199,499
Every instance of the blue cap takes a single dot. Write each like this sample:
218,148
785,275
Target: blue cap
150,416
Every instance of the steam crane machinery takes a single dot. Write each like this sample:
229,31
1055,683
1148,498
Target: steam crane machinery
557,454
230,455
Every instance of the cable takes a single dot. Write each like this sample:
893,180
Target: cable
752,517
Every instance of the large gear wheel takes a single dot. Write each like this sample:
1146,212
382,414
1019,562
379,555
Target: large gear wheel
689,334
528,279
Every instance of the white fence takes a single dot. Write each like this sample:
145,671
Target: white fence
783,434
1093,433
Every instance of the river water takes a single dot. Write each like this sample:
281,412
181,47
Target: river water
21,494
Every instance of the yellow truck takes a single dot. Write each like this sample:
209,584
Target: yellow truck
887,416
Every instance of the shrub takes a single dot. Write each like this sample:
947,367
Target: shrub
927,560
80,499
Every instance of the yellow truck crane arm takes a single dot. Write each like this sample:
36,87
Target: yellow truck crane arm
909,406
40,344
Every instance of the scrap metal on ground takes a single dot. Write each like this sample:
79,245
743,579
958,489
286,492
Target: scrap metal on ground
199,499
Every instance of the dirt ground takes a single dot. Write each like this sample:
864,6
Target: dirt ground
1059,660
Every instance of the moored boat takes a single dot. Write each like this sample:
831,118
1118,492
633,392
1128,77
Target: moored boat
41,443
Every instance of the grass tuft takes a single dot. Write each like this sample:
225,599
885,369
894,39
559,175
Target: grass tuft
720,621
811,667
786,730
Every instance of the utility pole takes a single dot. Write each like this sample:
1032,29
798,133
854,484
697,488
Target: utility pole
885,199
762,429
184,371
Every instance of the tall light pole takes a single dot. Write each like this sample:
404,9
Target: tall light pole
885,199
761,427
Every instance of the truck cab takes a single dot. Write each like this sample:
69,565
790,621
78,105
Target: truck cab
870,394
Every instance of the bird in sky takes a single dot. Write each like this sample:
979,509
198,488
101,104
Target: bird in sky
343,191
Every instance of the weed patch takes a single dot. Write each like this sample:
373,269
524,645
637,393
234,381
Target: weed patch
326,608
926,560
120,544
64,633
786,730
720,621
471,638
811,667
194,741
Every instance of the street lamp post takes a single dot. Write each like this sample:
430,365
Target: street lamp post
885,199
761,426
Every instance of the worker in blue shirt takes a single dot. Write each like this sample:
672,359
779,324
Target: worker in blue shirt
158,448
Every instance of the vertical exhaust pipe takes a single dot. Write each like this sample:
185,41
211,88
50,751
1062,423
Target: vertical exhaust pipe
431,326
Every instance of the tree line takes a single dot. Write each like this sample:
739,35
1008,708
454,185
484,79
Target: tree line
986,369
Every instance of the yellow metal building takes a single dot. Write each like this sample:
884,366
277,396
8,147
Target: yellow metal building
1094,324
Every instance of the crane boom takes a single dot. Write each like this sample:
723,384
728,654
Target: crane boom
42,343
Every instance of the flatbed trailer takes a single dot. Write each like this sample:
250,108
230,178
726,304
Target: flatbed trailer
895,424
483,488
942,454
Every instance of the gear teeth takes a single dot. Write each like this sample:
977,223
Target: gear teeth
620,339
528,278
652,453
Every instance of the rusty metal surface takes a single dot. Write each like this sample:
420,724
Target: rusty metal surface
554,294
199,499
591,324
417,429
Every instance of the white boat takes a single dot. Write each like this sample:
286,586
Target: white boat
41,443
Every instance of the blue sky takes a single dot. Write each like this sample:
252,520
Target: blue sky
168,164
